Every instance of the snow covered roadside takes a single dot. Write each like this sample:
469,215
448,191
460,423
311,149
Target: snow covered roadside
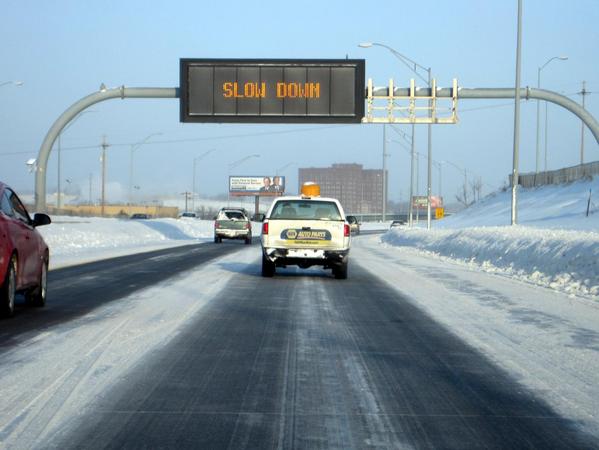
564,260
556,245
77,240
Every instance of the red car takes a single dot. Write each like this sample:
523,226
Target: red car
24,255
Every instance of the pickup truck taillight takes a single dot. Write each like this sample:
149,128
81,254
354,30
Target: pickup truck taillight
346,230
216,225
265,228
248,226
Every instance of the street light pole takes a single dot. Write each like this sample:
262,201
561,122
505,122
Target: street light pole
439,165
232,166
414,66
58,205
132,150
105,145
516,153
193,182
540,68
430,156
546,137
280,169
584,93
412,164
384,211
58,143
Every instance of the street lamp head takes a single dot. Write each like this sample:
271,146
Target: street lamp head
18,83
31,164
365,44
563,58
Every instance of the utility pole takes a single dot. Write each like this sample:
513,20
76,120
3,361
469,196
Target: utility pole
584,93
58,202
410,200
193,186
90,189
104,147
384,172
186,194
418,187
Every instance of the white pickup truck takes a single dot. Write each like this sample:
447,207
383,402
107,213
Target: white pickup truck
305,231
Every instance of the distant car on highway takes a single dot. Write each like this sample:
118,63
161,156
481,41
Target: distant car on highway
190,215
354,225
397,224
232,223
140,216
24,256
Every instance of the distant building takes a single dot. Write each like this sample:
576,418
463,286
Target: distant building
359,190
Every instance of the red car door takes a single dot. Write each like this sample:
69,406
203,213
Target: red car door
24,239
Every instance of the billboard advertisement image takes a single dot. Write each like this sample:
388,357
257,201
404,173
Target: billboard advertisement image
259,185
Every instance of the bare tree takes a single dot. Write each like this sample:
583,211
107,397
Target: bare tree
462,196
476,186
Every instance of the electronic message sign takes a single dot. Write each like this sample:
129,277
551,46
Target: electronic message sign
272,91
259,185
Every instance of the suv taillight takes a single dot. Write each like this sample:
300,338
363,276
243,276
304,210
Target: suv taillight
346,230
265,228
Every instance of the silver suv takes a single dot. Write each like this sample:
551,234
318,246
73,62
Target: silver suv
232,223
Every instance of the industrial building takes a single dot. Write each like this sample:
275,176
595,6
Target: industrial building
359,190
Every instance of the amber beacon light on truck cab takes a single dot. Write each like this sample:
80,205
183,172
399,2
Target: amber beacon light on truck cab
305,231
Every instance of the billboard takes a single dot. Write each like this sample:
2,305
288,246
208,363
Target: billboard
272,90
260,185
420,202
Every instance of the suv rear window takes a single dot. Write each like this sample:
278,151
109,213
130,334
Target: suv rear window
305,210
231,215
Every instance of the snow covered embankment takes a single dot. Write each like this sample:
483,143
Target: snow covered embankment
564,260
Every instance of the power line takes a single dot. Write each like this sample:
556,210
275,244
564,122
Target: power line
178,141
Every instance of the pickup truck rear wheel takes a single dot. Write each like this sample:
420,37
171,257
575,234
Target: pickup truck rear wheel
340,271
217,240
268,267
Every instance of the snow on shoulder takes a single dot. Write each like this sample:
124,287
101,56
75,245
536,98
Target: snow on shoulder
75,240
556,245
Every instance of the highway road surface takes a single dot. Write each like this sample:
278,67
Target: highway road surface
192,348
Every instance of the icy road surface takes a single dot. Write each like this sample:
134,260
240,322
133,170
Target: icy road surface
411,351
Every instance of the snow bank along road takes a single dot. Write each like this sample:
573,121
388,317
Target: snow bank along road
191,347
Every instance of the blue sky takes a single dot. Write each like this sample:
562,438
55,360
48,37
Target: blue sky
64,50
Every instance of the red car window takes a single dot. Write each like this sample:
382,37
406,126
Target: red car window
6,206
20,211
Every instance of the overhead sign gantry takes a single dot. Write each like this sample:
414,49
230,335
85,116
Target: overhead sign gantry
272,90
294,91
